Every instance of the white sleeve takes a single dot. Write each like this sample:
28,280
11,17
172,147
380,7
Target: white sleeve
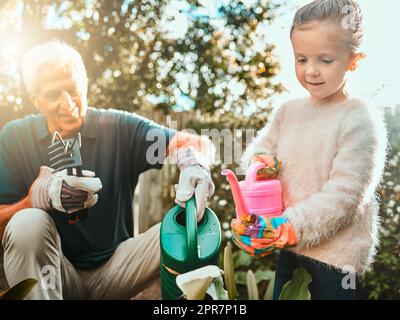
356,172
265,141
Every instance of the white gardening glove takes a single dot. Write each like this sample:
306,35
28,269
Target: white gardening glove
195,180
53,189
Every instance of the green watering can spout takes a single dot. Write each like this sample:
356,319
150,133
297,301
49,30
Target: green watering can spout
186,244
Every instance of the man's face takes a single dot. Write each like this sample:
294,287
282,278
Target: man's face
61,97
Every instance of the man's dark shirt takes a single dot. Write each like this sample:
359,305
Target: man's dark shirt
114,146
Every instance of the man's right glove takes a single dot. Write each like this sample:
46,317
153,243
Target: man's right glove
58,190
195,180
194,155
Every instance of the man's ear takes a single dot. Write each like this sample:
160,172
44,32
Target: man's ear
34,100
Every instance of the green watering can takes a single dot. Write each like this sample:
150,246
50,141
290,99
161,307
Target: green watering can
186,245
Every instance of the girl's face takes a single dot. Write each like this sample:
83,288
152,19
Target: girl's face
321,60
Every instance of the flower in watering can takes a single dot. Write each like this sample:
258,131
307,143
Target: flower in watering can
199,282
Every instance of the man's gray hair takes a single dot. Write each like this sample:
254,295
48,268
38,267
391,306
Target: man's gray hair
52,54
346,12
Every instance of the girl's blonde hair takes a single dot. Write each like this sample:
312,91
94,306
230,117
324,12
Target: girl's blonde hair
345,12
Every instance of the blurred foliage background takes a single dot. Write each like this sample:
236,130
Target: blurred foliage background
137,55
178,56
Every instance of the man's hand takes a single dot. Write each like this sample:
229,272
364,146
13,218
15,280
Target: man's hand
195,180
63,192
194,155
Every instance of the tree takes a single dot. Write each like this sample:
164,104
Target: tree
220,63
135,61
383,282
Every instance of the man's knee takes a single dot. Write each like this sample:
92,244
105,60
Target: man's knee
153,234
155,229
28,230
153,244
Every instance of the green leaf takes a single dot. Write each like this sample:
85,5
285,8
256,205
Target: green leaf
229,272
262,275
297,288
252,288
240,277
269,292
220,292
241,259
19,291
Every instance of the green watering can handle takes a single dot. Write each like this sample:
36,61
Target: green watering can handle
191,229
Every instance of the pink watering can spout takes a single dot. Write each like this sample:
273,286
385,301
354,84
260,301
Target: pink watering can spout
240,204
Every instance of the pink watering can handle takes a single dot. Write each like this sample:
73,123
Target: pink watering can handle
251,175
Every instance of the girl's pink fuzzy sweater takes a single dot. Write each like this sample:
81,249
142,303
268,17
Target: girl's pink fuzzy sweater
333,157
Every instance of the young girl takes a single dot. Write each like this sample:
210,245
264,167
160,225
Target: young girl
333,149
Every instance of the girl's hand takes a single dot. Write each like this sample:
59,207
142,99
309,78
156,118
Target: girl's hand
267,159
260,236
273,166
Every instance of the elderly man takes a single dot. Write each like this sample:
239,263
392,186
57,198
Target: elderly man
96,258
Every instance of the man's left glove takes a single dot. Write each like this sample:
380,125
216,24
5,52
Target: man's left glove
260,236
57,190
195,178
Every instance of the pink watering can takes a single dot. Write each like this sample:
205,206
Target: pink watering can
263,197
